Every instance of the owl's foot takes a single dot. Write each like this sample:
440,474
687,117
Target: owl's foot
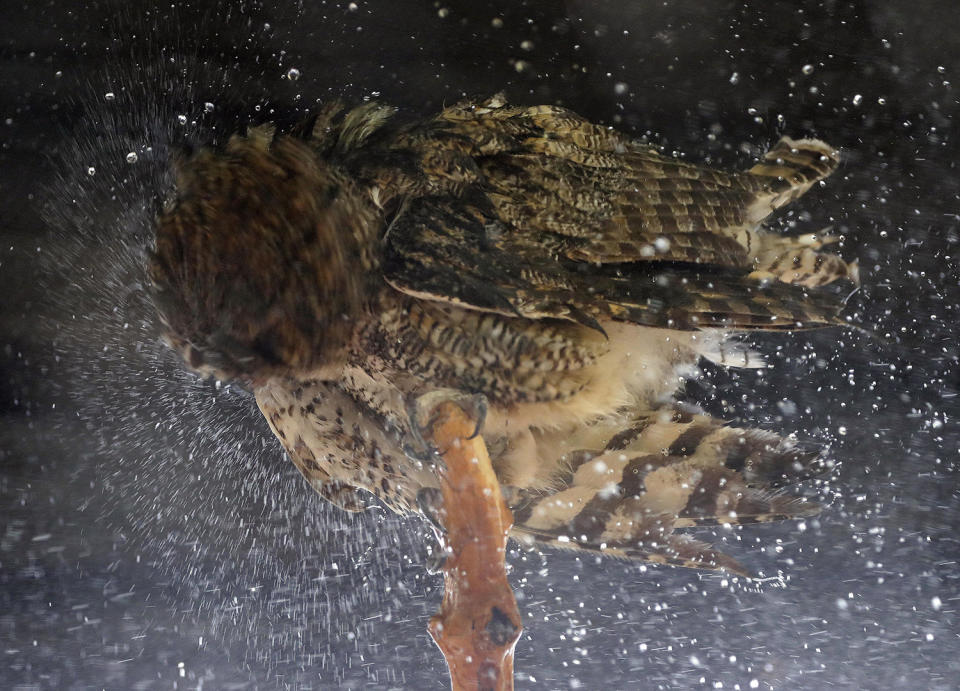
437,554
421,411
426,454
430,499
478,623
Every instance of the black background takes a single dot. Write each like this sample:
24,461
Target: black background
153,536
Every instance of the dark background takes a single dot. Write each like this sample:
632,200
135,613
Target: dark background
153,536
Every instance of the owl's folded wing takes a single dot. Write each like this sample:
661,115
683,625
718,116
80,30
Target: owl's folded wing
463,253
550,215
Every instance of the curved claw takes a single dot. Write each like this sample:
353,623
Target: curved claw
419,449
478,412
421,409
436,557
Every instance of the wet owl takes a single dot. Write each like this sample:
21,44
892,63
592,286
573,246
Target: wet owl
565,272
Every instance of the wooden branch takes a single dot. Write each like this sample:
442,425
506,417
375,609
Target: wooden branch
478,624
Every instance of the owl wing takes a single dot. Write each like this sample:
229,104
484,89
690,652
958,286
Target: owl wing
668,472
562,218
460,252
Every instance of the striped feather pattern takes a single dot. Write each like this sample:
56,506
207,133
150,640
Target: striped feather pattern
568,274
570,220
669,471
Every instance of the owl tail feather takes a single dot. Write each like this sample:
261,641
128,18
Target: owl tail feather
672,550
667,471
785,173
791,168
795,259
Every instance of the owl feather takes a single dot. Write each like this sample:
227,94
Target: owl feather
570,275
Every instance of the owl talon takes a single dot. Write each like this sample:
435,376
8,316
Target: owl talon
436,557
419,450
478,412
421,409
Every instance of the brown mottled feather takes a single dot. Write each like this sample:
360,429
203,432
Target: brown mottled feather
569,274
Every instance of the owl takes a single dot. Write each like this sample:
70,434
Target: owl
570,276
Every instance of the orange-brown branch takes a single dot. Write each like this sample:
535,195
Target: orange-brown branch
478,624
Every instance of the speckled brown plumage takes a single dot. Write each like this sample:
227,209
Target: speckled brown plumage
570,275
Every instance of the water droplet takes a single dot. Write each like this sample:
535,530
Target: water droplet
841,430
521,65
936,603
352,7
91,171
735,78
496,23
857,99
110,96
841,604
132,157
182,119
443,13
620,88
882,101
293,74
807,69
208,107
526,45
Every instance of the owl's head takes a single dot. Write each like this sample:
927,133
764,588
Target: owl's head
264,261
